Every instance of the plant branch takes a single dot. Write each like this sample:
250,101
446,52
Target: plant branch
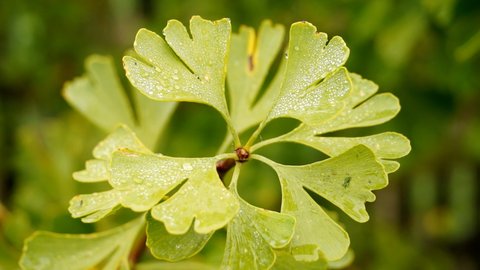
138,249
223,166
255,134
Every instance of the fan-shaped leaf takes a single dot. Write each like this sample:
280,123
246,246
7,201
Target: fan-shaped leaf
50,251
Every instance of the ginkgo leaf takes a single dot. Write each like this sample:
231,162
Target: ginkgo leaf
98,169
203,198
313,86
286,261
317,235
95,206
249,62
360,110
109,249
253,235
345,180
171,247
95,171
152,117
100,97
184,265
373,111
144,179
315,104
388,145
183,68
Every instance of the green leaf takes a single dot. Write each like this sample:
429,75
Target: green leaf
345,180
310,60
121,138
99,169
388,145
250,59
183,68
360,112
110,249
317,235
185,265
100,97
95,206
285,261
253,234
152,117
203,198
170,247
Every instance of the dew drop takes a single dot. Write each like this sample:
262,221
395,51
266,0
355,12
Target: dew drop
296,48
187,166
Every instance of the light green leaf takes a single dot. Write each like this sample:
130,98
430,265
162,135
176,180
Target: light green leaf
286,261
95,206
185,265
253,234
152,117
203,198
373,111
376,110
310,59
317,235
50,251
317,103
250,59
345,180
343,262
144,179
170,247
121,138
99,95
388,145
390,166
186,69
98,169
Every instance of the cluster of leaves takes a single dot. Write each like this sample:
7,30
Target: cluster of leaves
185,199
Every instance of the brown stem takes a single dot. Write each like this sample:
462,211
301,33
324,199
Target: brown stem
138,249
224,165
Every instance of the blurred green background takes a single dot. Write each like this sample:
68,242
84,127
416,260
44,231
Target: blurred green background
426,52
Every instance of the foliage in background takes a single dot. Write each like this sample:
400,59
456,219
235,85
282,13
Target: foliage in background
426,52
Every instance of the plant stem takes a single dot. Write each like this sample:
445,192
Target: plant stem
138,249
235,176
265,143
255,134
263,159
226,142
